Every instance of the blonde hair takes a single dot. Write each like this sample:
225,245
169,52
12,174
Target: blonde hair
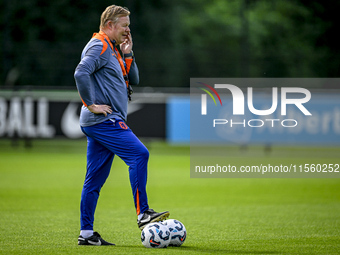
113,12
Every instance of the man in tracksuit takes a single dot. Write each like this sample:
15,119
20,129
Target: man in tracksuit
103,79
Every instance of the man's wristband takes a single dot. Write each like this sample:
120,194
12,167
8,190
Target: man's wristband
128,55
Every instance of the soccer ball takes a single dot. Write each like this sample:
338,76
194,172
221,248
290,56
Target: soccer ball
178,233
155,235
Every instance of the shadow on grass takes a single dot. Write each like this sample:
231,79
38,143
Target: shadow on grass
221,250
191,249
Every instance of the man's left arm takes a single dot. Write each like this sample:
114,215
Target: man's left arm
131,66
133,73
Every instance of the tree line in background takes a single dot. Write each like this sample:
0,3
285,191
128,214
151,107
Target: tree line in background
174,40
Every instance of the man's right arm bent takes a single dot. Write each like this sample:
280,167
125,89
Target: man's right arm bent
90,62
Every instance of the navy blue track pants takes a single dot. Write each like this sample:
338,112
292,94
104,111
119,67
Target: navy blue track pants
104,141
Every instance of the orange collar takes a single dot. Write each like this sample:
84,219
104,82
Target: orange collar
101,35
107,38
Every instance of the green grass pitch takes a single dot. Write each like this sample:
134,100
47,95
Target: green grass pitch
40,193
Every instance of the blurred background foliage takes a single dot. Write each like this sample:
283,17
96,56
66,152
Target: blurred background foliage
41,41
